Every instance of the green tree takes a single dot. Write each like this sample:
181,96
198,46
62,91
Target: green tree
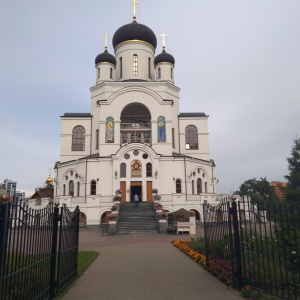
292,191
259,190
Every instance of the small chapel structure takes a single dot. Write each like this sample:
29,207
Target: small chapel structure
134,138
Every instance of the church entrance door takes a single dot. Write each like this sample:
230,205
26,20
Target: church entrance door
136,188
149,191
123,189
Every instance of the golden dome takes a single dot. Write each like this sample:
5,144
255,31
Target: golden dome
49,180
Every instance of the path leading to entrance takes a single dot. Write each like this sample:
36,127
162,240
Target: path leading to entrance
143,268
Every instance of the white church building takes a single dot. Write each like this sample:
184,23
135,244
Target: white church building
134,138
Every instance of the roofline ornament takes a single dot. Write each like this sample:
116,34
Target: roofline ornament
134,3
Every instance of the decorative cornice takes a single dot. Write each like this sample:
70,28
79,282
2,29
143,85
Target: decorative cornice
134,41
123,84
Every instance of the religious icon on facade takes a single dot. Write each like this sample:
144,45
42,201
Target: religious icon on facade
109,130
136,168
161,129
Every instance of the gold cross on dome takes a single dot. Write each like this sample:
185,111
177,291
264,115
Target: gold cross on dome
105,39
49,172
163,41
134,3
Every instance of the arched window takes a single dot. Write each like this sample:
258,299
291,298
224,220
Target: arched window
97,139
78,138
123,170
71,188
135,65
121,67
191,137
193,189
93,187
205,187
149,170
64,190
98,73
159,73
171,73
199,186
178,186
110,74
78,189
149,67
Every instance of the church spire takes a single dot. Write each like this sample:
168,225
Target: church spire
163,41
105,40
134,3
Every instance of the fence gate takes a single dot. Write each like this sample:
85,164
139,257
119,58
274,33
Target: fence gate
255,245
222,242
34,247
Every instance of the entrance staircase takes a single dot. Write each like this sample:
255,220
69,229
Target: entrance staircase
139,220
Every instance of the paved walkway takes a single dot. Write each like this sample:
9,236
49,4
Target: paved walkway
143,268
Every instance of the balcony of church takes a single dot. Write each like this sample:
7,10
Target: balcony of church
166,199
136,126
106,199
78,200
135,137
194,198
190,199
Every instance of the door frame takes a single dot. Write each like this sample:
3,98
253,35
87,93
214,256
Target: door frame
136,183
149,190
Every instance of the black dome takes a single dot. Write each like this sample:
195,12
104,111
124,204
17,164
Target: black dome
164,57
105,57
134,31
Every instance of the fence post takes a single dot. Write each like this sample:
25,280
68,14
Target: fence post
54,250
237,245
205,209
77,236
4,220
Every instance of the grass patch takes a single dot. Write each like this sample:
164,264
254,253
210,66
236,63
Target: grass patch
85,259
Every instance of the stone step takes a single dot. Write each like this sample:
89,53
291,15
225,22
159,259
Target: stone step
129,226
138,232
139,220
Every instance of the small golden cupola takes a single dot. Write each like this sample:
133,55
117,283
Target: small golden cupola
49,180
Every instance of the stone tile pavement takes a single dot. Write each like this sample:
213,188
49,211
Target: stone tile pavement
143,268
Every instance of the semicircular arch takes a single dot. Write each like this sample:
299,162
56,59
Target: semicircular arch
139,89
135,146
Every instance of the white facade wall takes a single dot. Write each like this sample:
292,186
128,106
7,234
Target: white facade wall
66,153
144,51
201,123
143,96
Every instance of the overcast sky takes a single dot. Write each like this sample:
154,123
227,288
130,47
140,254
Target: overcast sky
238,61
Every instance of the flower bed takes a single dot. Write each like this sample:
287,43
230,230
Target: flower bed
246,291
218,266
194,255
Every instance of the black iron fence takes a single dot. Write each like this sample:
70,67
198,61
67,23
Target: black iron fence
38,250
253,245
